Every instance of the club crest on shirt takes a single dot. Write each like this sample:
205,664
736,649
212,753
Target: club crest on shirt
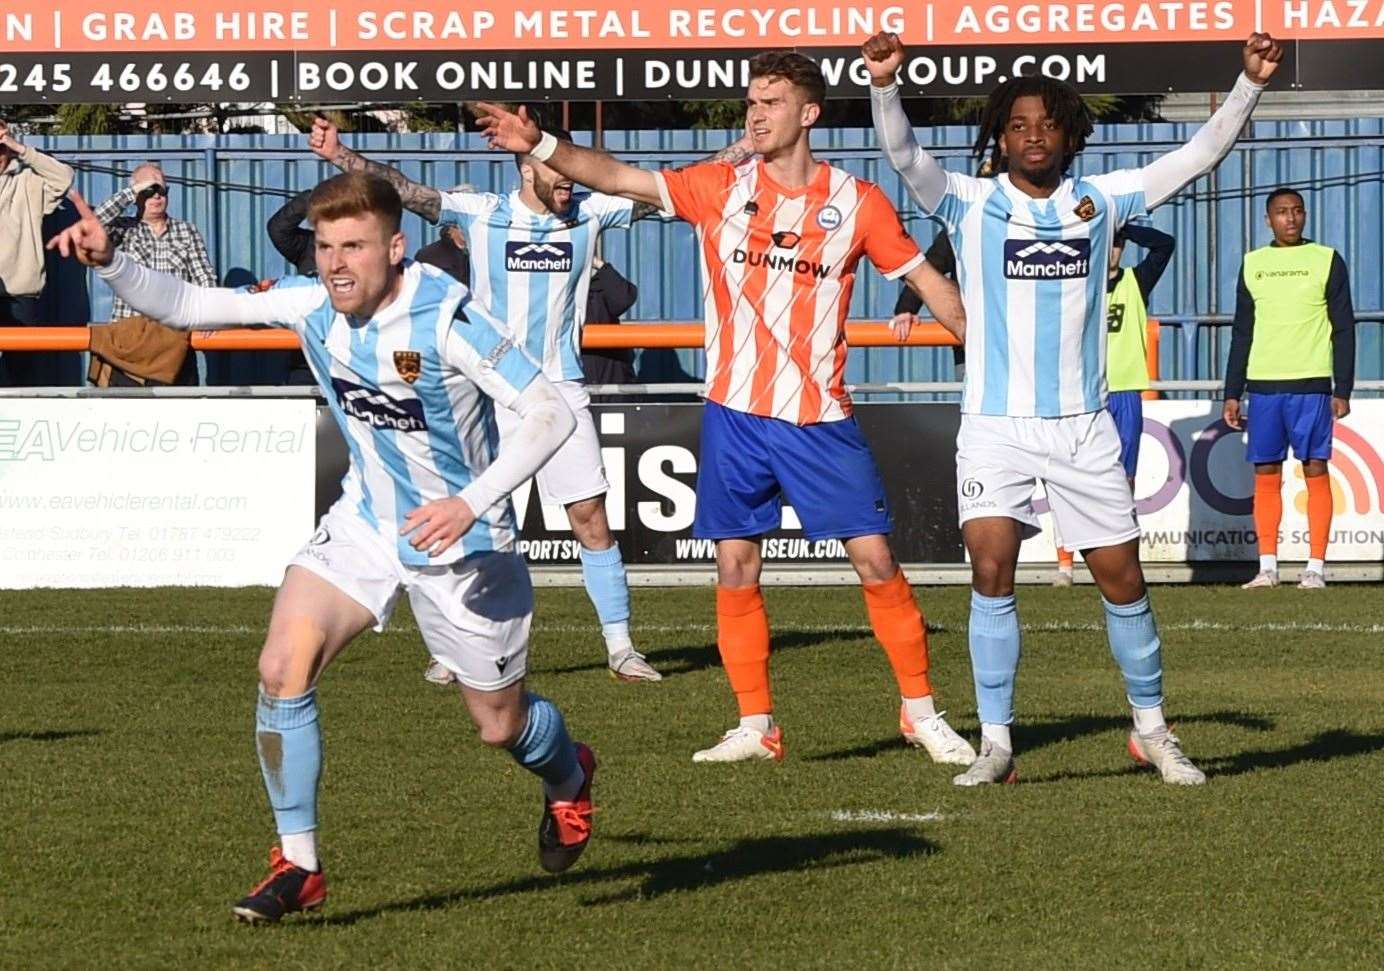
409,364
829,217
1085,209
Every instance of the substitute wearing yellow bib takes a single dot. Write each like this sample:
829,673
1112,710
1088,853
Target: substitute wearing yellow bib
1293,350
1126,349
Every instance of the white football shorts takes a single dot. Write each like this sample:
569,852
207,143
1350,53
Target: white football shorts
474,614
576,471
1000,460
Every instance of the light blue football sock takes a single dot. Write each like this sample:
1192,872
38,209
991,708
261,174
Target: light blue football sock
545,749
1139,653
994,640
603,572
289,740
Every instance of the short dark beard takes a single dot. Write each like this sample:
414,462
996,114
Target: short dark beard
545,196
1051,175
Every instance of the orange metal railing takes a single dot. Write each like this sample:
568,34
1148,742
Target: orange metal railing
661,335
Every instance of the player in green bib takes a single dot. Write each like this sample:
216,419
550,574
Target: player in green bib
1126,349
1293,350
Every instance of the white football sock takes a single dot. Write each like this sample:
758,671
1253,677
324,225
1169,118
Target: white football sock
1316,566
617,637
760,723
1269,562
1149,721
998,735
300,849
919,709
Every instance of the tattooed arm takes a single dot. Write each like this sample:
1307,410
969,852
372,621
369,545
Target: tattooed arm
734,153
325,141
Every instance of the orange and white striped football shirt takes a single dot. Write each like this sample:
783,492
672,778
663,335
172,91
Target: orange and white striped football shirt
779,265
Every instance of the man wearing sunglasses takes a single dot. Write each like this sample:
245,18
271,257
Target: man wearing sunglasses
154,238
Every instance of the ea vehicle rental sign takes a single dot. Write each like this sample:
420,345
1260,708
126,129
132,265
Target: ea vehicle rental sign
436,50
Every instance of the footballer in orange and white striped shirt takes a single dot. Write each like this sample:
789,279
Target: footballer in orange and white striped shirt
778,266
780,238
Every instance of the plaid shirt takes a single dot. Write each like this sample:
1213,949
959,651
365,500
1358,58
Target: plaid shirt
180,250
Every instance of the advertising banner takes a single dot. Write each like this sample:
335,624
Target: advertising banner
434,50
137,492
1193,490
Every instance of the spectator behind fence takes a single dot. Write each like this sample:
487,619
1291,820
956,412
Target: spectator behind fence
294,242
32,185
610,296
135,349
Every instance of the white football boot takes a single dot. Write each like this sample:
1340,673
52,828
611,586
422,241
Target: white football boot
630,665
1263,579
744,744
1311,580
1162,751
993,765
437,674
938,739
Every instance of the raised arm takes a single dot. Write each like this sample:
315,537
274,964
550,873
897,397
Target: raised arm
926,180
518,133
286,231
57,176
186,306
1159,246
733,154
325,141
1167,175
115,204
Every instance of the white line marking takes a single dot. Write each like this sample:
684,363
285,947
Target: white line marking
884,816
1054,627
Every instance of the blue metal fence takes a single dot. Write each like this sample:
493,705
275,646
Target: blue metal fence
230,185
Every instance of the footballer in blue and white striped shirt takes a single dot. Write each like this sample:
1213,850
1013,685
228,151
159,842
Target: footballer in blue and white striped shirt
1032,245
532,253
412,368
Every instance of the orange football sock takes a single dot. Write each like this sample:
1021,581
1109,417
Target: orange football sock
1268,510
1318,514
742,635
898,625
1065,558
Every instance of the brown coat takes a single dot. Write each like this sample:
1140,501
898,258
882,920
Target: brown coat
144,349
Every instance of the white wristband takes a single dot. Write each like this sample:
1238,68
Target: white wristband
547,145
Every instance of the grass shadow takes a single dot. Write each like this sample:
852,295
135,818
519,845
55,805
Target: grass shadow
690,872
1323,747
1029,736
49,736
691,658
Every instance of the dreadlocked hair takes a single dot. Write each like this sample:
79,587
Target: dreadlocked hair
1062,103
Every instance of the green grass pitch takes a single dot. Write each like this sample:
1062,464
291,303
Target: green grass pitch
132,814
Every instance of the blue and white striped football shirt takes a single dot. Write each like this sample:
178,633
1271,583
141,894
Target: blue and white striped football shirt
1032,278
533,269
413,390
